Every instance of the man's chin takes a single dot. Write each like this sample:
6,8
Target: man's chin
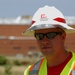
47,52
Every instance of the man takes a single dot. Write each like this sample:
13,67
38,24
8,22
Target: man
49,28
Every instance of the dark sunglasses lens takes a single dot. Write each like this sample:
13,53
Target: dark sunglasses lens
39,36
51,35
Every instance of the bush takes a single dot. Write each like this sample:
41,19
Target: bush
8,68
17,62
26,62
3,60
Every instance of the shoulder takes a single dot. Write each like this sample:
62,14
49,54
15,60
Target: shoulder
73,54
27,70
33,65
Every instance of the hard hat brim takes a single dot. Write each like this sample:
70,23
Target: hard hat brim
31,30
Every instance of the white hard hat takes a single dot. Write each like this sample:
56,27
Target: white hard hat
48,17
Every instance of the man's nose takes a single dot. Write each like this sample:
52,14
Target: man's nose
45,42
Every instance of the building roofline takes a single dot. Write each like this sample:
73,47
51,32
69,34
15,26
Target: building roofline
27,20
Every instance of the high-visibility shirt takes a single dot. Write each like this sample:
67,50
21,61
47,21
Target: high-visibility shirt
40,68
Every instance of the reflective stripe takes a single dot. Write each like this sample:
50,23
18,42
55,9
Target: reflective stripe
73,72
35,68
33,72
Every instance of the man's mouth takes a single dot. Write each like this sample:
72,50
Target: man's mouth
46,47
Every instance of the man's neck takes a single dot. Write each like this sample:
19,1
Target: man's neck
57,59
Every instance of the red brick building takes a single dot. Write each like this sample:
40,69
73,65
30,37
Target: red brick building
12,42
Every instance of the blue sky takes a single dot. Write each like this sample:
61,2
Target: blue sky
15,8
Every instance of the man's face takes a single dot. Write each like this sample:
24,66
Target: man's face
50,41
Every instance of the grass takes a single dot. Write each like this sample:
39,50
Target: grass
17,65
15,70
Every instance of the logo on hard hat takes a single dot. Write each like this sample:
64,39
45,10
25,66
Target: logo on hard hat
43,17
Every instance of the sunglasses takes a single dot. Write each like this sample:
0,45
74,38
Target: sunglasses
49,35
